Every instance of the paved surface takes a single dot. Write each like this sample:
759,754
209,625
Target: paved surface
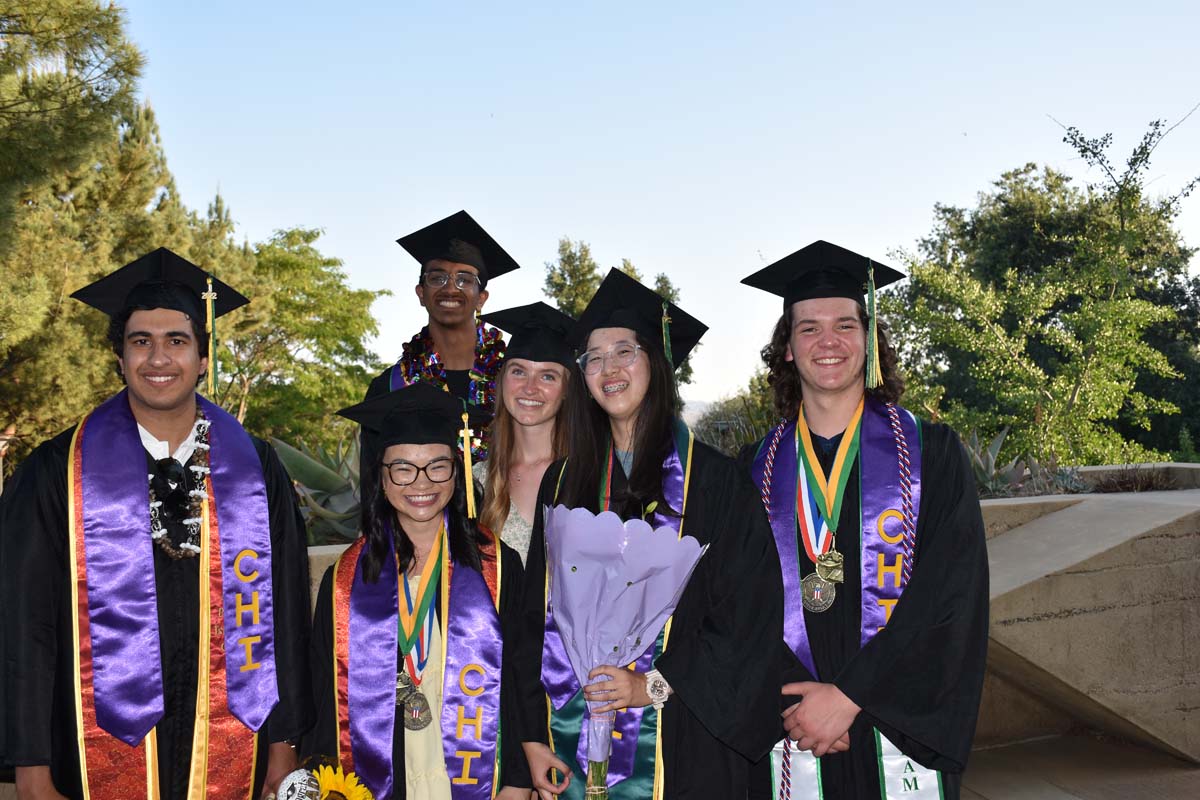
1078,768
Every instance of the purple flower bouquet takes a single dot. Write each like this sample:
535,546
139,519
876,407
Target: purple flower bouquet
613,585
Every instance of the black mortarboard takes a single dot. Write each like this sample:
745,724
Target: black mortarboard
537,332
622,302
159,279
821,269
419,413
459,239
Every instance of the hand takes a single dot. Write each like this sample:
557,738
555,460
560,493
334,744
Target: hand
541,760
822,717
281,760
513,793
619,688
34,783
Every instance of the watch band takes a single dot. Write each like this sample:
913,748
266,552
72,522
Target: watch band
657,688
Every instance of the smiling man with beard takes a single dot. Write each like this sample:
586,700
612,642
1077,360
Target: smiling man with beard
155,627
454,350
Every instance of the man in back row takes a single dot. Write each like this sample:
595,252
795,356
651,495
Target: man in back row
155,576
454,350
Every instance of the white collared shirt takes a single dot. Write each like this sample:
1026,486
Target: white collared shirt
159,449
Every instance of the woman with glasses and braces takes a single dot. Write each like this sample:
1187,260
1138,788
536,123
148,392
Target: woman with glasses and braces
697,708
412,637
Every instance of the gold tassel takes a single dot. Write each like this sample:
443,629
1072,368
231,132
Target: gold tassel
209,316
465,433
874,371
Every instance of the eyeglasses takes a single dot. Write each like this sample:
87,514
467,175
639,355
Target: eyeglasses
623,355
404,473
463,281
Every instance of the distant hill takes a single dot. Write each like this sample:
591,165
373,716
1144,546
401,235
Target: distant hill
693,410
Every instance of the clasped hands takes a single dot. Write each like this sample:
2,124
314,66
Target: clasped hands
821,721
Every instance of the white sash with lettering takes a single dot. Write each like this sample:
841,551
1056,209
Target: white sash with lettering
899,776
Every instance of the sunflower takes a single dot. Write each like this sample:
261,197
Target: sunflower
337,785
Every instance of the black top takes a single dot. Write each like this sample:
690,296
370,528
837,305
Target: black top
622,302
459,239
322,740
720,659
821,269
159,279
37,692
919,680
537,332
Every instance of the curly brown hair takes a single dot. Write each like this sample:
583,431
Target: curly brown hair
784,378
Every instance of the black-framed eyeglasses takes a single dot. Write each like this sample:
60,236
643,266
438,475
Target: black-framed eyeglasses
463,281
403,473
623,355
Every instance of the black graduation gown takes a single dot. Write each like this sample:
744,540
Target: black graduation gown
322,739
919,680
37,694
721,659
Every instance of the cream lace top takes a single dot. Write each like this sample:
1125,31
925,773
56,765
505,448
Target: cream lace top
517,532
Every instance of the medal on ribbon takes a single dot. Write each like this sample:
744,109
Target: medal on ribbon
415,632
819,507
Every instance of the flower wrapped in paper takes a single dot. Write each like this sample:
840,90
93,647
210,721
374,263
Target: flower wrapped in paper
613,585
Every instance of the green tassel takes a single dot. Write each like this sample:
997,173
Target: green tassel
874,371
666,331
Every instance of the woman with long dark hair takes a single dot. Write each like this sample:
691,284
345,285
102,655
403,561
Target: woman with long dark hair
695,708
412,639
529,430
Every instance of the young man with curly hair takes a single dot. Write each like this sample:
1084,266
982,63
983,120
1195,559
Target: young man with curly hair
880,537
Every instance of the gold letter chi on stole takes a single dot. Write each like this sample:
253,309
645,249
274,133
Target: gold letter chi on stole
242,607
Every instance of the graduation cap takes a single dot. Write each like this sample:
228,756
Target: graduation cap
163,279
459,239
622,302
160,279
421,413
823,269
536,331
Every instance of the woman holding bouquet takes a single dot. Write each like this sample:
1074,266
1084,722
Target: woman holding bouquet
411,644
528,431
697,707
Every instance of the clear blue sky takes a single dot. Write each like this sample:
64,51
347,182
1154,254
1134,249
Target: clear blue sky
694,139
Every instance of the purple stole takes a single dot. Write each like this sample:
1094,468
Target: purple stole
122,611
558,676
889,461
366,663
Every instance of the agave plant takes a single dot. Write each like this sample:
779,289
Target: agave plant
993,479
327,485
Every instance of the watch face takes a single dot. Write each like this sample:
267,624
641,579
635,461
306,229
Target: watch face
658,689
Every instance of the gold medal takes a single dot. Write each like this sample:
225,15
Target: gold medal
817,593
829,565
412,703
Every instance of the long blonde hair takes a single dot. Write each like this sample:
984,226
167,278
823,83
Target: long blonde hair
496,498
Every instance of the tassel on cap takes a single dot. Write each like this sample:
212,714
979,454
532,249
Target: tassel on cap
874,371
210,297
465,434
666,333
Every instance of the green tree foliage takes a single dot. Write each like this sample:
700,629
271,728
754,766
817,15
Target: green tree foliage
1038,310
572,281
285,363
55,362
67,73
297,354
